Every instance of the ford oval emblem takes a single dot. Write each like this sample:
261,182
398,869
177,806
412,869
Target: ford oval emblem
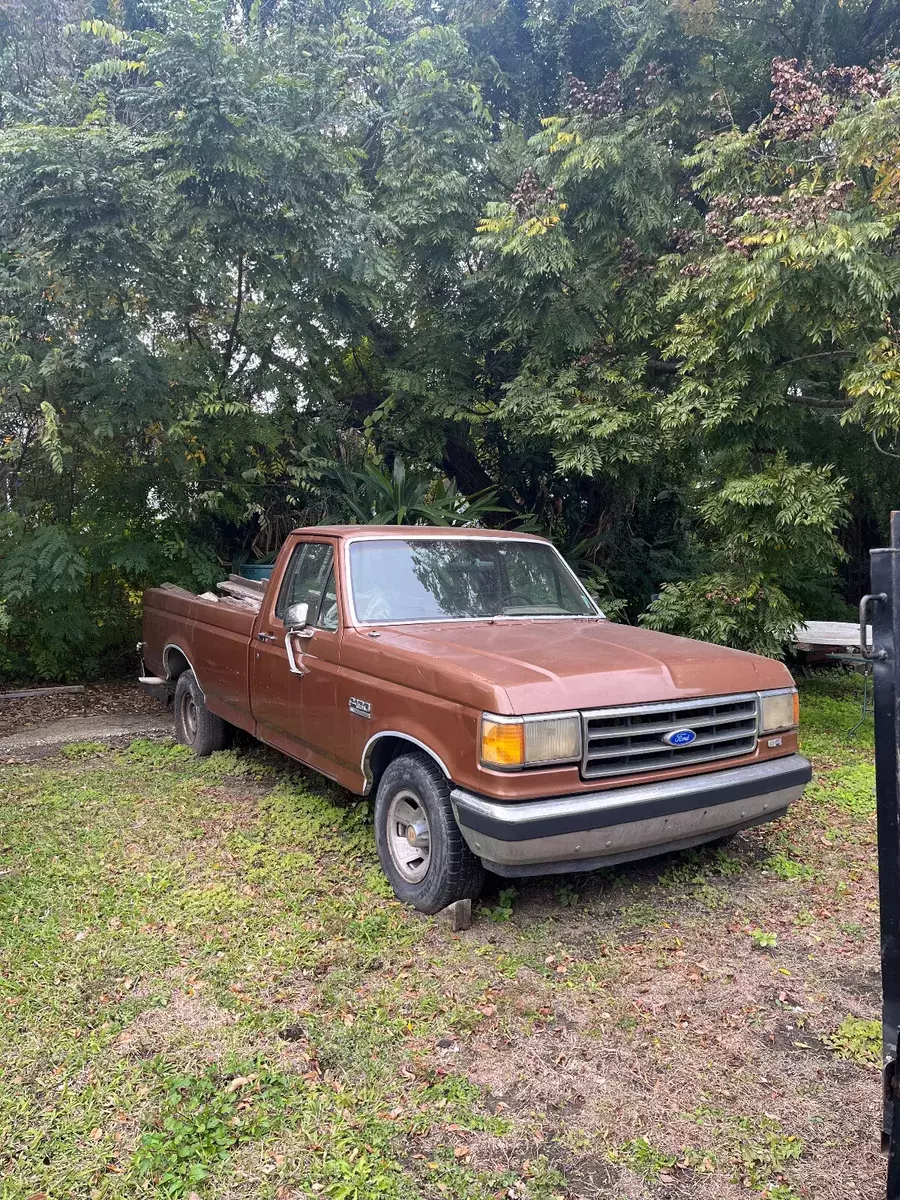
680,737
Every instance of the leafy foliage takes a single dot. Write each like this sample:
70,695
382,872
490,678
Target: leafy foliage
857,1039
203,1118
728,609
629,274
372,497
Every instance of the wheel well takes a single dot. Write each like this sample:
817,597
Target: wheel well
385,750
176,663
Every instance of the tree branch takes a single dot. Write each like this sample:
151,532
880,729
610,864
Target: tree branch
232,333
286,364
789,362
824,405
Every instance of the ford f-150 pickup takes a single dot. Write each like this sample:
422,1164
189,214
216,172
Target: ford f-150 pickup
468,680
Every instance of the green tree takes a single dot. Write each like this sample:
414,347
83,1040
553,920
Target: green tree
588,259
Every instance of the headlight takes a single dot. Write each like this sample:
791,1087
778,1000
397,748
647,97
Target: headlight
529,741
778,710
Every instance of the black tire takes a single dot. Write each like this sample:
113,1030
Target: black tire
195,725
451,872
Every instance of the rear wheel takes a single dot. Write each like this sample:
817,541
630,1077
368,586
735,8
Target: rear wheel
195,725
422,851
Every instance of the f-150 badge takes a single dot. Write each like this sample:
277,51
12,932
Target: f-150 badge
361,708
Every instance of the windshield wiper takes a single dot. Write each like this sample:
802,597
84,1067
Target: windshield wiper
522,610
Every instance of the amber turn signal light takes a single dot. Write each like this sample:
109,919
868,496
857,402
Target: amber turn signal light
502,742
778,710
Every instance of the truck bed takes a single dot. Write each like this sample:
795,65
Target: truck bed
213,634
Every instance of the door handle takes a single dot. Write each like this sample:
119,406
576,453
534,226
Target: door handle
863,605
266,637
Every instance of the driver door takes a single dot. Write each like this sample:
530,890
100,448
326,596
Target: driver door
292,709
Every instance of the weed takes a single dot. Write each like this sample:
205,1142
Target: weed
763,939
853,929
726,864
756,1149
203,1118
567,896
857,1039
461,1100
788,868
504,907
710,896
157,756
687,869
643,915
849,788
764,1151
78,750
642,1157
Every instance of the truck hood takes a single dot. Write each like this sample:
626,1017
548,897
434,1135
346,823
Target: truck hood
547,666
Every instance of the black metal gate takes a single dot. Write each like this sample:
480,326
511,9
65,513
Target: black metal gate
884,606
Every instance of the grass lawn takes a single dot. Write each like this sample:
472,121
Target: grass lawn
206,987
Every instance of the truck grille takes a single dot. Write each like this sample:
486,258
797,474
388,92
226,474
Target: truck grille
624,741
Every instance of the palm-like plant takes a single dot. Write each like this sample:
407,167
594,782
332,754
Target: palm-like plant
372,496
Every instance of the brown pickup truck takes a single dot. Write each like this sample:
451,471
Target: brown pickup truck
467,679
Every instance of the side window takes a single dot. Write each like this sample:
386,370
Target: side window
328,612
305,579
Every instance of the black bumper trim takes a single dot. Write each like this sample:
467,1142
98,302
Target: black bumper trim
601,862
523,820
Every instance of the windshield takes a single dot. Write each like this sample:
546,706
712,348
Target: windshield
433,579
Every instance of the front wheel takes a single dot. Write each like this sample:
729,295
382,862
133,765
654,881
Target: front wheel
195,725
419,843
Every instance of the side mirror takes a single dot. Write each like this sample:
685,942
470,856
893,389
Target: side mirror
296,624
296,617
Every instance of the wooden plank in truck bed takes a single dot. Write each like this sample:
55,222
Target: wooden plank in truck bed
826,635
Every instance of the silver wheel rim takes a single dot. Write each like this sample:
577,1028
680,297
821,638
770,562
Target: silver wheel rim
189,716
409,836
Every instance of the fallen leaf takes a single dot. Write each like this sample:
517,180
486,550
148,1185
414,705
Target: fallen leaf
240,1081
461,1151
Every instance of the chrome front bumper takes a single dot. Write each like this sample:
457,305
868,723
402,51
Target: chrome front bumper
595,829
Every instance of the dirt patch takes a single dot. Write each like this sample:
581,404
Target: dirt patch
37,742
115,696
865,985
186,1019
189,1028
789,1035
691,1034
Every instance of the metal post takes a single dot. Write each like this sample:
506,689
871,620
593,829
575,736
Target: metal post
885,609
